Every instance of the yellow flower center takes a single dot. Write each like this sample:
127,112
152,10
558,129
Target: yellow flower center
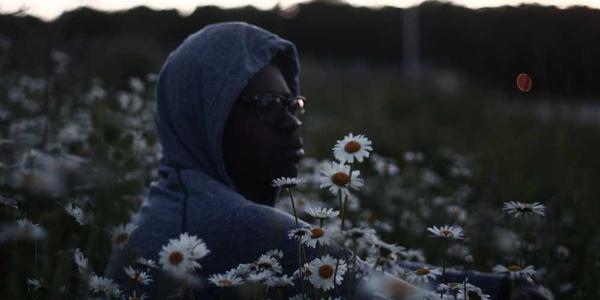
317,233
446,232
326,271
121,238
514,268
265,265
422,271
352,147
175,258
225,282
340,178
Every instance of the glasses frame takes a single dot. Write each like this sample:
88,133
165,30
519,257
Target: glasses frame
285,101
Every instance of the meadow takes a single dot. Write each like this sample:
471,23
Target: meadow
78,156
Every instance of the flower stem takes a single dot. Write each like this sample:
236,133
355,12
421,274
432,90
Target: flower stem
443,274
293,206
337,261
523,252
35,258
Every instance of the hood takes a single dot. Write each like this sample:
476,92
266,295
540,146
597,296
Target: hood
199,83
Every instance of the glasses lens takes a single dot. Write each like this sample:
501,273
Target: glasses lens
270,108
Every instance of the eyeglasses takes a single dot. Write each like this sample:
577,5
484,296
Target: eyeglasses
270,107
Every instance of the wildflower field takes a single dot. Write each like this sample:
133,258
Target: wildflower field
401,170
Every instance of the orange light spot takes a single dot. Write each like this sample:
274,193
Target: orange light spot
524,82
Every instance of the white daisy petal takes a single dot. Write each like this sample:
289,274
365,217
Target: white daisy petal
102,285
515,271
138,275
322,271
287,182
179,256
318,236
519,208
448,232
224,280
322,213
121,233
352,148
337,179
424,274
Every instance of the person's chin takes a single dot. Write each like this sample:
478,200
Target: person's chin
290,169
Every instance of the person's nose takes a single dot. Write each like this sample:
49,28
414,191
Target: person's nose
290,122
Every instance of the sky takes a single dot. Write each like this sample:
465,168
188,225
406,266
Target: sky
49,9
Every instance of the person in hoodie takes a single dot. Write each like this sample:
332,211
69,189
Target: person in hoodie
227,115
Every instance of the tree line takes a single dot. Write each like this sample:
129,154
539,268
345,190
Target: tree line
558,47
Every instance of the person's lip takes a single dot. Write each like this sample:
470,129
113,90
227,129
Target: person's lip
293,155
294,145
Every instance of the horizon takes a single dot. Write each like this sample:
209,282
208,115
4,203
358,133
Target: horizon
51,9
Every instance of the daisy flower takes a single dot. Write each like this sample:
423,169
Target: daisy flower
299,234
136,297
81,261
424,274
259,276
299,297
450,288
384,166
337,178
275,253
27,230
106,286
224,280
322,213
515,271
302,272
448,232
121,233
76,213
34,284
352,148
279,281
179,256
322,271
137,275
473,292
243,270
287,182
146,262
268,263
410,156
386,254
519,208
318,235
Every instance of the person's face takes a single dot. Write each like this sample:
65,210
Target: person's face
256,152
